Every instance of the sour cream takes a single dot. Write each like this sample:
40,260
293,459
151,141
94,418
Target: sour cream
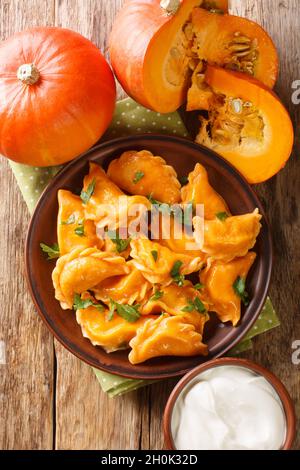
228,408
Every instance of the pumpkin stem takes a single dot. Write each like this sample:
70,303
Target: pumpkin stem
28,74
170,6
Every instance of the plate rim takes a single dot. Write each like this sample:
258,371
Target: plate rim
84,157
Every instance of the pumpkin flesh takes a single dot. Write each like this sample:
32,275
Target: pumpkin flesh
234,43
156,74
247,124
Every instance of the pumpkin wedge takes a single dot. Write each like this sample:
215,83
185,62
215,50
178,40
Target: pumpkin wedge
219,6
231,42
149,51
247,124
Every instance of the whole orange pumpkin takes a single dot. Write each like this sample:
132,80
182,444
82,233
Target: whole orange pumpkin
57,96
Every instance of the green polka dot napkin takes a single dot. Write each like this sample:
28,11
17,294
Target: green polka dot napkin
130,118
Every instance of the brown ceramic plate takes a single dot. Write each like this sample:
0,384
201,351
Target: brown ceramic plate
183,155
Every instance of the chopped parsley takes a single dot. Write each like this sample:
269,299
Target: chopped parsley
79,230
222,216
86,195
154,254
175,273
138,176
130,313
239,288
156,296
69,221
199,286
121,243
81,304
51,251
195,304
189,308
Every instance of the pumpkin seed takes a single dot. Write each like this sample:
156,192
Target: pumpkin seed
237,106
241,40
236,47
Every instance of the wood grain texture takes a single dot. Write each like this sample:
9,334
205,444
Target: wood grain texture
85,417
281,198
26,380
56,401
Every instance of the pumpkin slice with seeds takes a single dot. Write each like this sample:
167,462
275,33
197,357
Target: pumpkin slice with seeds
234,43
217,6
246,124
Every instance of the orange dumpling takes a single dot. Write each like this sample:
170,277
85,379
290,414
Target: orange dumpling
166,336
101,190
112,334
126,289
231,238
107,205
173,235
158,264
143,173
72,230
199,191
174,300
79,271
219,292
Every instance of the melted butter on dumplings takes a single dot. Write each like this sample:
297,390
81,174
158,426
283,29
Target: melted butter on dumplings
94,261
112,335
80,271
173,236
173,300
199,191
158,271
70,217
219,280
126,289
231,238
108,206
166,336
143,173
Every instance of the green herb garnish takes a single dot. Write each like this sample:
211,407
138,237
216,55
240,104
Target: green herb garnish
80,229
69,221
153,201
162,207
156,296
121,243
138,176
222,216
195,304
112,308
199,286
239,288
199,305
154,254
189,308
175,273
51,251
130,313
82,304
86,195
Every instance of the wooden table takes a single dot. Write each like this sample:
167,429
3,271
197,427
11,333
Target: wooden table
48,398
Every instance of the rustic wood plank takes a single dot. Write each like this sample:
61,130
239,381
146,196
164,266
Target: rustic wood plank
26,380
85,417
281,197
